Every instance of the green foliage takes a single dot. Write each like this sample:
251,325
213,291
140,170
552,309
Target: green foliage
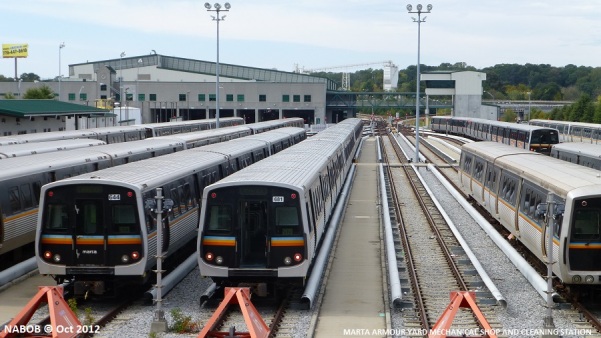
42,93
88,317
181,323
509,116
9,96
73,306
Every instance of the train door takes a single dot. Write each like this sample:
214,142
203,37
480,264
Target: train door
253,233
89,232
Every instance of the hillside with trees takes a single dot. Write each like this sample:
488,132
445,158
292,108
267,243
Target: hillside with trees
509,82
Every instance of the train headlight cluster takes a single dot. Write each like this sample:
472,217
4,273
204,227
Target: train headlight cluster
589,279
576,279
297,257
48,256
134,257
209,257
124,258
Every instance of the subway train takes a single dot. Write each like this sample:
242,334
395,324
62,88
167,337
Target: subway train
582,153
99,230
263,225
25,149
572,131
513,185
116,134
22,177
534,138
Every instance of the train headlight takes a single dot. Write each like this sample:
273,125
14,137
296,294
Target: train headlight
56,258
209,256
47,255
219,260
135,255
124,259
576,279
287,260
589,279
298,257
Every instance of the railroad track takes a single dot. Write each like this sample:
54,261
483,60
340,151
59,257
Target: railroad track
436,263
279,314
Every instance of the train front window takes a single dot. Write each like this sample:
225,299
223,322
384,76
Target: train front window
286,221
544,137
220,219
57,218
586,225
124,219
89,217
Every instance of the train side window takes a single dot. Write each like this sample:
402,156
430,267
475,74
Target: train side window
286,221
220,218
14,199
56,218
124,219
27,197
37,190
177,208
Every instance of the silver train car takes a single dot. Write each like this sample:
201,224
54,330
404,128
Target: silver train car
581,153
534,138
116,134
263,225
513,186
96,230
572,131
25,149
21,179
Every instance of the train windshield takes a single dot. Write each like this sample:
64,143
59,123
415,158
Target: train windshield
268,210
586,225
90,210
585,235
544,136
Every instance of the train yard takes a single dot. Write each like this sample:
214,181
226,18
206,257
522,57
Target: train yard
439,249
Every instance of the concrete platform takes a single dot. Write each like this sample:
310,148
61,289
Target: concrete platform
354,297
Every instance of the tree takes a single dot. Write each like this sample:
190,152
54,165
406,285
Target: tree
509,116
42,93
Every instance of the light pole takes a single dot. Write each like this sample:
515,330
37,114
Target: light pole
138,79
121,85
60,47
188,101
529,106
419,20
217,8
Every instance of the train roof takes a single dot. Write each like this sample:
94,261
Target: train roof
190,122
204,134
567,123
155,171
278,122
24,165
519,126
295,166
581,148
22,149
494,150
558,176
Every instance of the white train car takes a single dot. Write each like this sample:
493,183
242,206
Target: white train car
513,185
264,224
586,154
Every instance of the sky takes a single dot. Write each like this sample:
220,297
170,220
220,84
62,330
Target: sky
330,35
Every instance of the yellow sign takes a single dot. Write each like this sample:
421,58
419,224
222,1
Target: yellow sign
11,50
